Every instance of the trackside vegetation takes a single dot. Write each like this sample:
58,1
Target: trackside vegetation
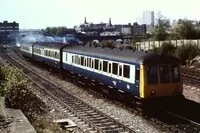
16,89
185,52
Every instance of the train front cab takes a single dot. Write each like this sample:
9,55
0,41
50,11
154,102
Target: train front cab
160,81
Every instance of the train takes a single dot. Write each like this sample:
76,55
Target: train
140,74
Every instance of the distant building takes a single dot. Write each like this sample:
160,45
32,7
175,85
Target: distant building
109,29
139,29
91,29
8,31
124,29
148,18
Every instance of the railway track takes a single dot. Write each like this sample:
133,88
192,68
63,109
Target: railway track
95,120
191,76
180,124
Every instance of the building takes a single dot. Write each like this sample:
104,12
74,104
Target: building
148,18
8,31
91,29
138,30
109,29
124,29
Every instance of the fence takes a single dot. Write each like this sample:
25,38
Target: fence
147,45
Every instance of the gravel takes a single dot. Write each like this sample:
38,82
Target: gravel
191,92
136,122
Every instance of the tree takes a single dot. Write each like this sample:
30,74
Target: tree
55,31
185,30
160,30
61,31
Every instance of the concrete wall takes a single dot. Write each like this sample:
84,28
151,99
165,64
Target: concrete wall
150,44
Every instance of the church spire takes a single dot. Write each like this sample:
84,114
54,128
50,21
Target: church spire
85,21
110,22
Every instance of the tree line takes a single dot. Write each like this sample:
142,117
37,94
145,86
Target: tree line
185,29
56,31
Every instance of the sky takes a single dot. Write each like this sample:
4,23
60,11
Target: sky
31,14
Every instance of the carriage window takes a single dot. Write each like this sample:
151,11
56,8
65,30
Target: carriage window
175,73
55,54
82,60
152,75
49,54
120,70
126,71
72,59
76,59
115,68
105,66
52,54
58,55
66,57
89,62
164,74
25,48
96,64
109,68
37,50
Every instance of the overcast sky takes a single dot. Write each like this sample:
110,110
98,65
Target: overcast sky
43,13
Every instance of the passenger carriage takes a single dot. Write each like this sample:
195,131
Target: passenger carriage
26,49
144,75
48,53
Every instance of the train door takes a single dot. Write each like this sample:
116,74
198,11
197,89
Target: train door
137,78
120,77
70,60
137,75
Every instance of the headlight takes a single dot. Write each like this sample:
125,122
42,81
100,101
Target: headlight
153,93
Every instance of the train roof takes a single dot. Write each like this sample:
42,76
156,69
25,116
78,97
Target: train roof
56,46
129,56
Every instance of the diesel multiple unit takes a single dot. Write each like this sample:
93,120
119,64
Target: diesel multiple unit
141,74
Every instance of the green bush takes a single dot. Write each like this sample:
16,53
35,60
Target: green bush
154,49
187,52
17,91
166,47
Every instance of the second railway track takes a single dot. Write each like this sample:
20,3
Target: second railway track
191,76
